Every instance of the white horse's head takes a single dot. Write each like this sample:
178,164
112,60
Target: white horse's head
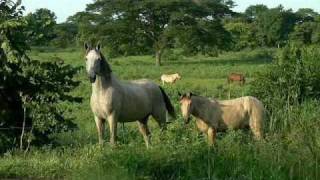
95,62
186,106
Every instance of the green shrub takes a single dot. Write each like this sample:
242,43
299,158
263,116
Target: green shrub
293,78
31,91
172,54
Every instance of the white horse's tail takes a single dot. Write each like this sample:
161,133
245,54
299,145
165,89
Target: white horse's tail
257,117
167,101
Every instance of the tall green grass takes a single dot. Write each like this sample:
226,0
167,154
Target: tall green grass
181,152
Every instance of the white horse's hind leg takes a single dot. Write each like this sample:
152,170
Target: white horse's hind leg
100,123
112,120
144,130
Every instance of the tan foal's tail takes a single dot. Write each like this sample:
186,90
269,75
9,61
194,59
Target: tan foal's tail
258,114
167,101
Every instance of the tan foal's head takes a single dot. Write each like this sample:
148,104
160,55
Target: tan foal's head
186,106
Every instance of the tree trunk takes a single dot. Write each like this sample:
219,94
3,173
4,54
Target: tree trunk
23,128
158,57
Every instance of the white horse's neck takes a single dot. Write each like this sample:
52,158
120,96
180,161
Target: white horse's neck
105,79
104,82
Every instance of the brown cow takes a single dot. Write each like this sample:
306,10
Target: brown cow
236,77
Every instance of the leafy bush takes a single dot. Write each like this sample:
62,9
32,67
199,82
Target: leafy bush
293,78
31,91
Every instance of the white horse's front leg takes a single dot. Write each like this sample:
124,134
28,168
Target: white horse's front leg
113,121
100,128
144,130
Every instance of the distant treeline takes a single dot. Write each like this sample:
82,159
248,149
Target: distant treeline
206,27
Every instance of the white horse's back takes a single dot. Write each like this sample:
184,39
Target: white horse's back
139,99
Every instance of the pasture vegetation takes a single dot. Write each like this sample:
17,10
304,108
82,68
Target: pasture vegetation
180,152
286,80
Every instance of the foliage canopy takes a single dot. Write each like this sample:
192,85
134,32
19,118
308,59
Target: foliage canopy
140,26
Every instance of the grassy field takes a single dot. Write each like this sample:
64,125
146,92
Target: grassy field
179,153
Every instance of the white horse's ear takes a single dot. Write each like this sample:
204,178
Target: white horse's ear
86,46
98,47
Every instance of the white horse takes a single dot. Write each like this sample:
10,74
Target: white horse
117,101
170,78
213,115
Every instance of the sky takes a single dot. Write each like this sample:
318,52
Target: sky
62,8
287,4
65,8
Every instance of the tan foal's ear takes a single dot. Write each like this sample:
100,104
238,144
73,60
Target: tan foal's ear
181,96
189,94
86,46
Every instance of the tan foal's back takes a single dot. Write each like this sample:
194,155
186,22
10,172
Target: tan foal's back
233,113
213,115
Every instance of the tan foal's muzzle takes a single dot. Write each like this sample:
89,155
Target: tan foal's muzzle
186,117
186,120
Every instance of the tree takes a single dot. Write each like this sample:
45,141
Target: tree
307,14
253,11
316,32
159,23
30,90
41,26
116,37
203,32
306,29
303,33
65,35
86,30
274,26
243,33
